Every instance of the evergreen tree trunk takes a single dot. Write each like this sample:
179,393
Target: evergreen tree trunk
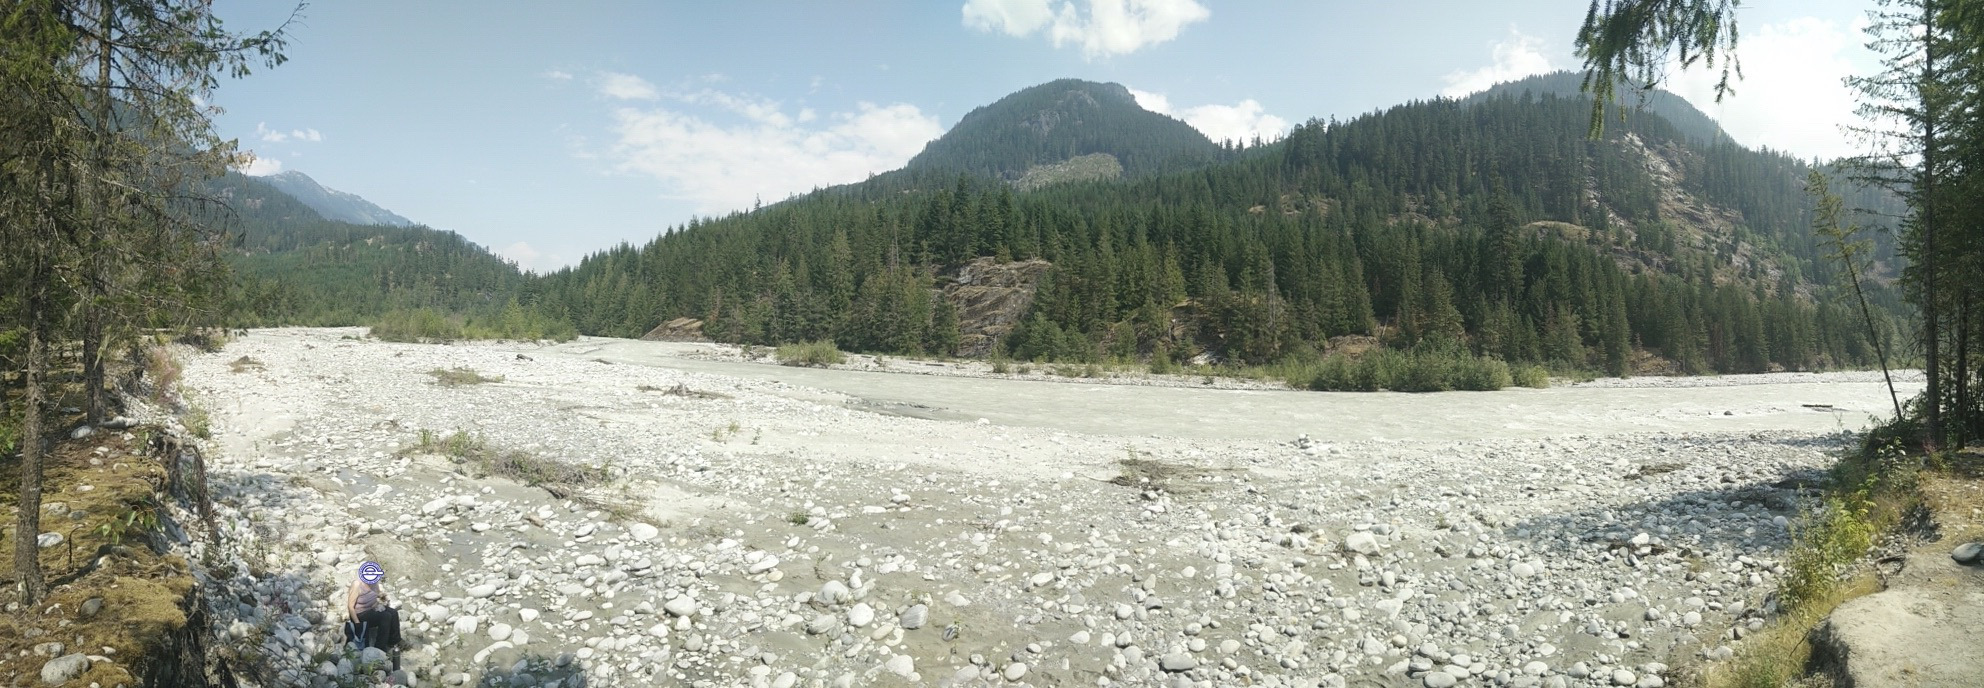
94,287
1963,410
1931,158
27,526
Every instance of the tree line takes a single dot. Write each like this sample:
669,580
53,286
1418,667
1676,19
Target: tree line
1412,224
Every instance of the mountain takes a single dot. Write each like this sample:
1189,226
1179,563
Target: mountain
296,266
1493,226
332,203
1680,113
1062,120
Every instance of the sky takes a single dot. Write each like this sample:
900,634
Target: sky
550,131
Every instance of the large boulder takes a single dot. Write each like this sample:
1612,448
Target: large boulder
1922,633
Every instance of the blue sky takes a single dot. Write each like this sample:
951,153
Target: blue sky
548,131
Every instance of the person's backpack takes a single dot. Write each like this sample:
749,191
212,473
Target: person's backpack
355,633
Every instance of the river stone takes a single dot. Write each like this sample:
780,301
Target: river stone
766,564
860,615
834,592
1622,677
901,665
91,606
1178,661
915,617
643,531
499,631
1361,542
372,655
682,605
484,590
1015,670
1968,553
47,540
62,669
1440,679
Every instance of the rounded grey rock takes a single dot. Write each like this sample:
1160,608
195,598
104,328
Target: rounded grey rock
62,669
1178,661
1968,553
915,617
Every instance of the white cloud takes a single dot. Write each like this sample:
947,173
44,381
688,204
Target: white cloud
1154,102
1791,97
626,87
1516,57
558,75
256,166
727,151
530,258
263,132
1017,18
1240,122
1106,28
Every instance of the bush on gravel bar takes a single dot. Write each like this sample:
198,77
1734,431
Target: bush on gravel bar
817,354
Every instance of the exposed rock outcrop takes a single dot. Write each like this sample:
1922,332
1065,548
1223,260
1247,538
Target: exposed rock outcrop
677,330
1927,629
990,297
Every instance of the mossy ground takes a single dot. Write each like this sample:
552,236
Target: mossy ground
144,594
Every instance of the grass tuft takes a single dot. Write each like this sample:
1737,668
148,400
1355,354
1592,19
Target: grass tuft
460,376
682,390
818,354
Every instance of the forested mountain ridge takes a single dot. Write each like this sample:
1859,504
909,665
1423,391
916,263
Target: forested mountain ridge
1059,120
1689,120
1496,225
332,203
294,266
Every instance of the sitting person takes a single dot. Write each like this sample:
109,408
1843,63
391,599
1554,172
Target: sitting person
365,604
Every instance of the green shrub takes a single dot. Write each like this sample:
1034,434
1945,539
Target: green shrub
1160,361
418,325
817,354
1481,375
1530,376
427,325
460,376
1417,370
1823,544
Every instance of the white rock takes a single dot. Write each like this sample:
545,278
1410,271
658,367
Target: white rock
766,564
643,531
1362,542
914,617
682,605
860,615
900,665
483,590
499,631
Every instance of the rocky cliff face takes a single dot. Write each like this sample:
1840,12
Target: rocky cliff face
990,297
677,330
